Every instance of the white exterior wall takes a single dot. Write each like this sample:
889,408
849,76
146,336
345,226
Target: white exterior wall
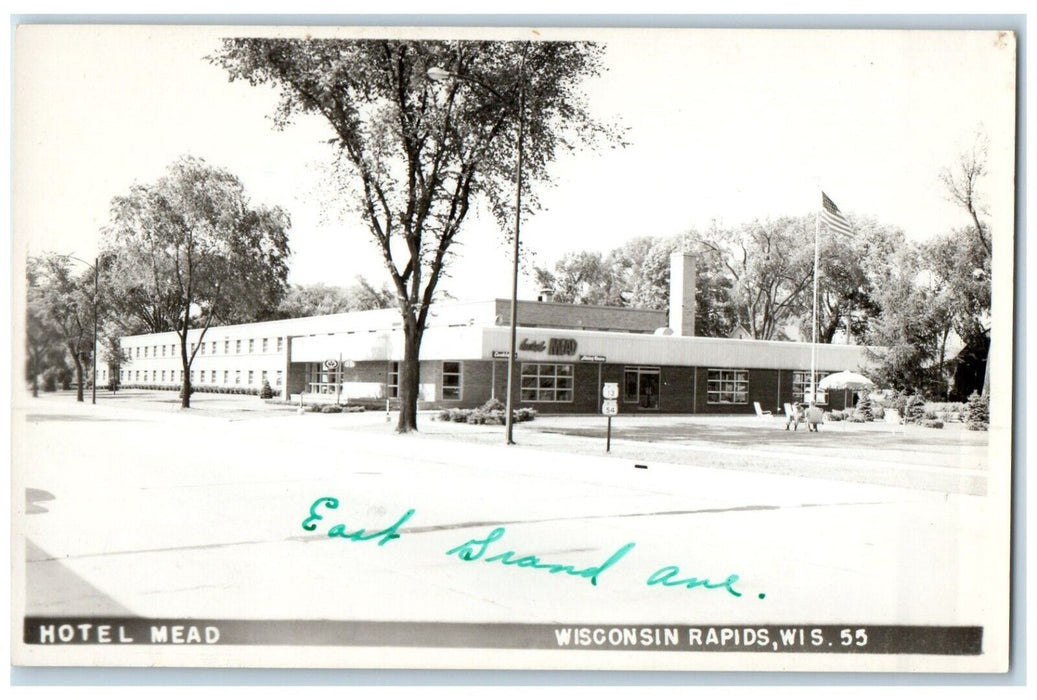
639,349
231,362
455,333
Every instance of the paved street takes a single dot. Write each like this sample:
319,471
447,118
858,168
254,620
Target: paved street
136,509
166,514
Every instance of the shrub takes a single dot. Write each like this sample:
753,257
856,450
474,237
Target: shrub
878,412
864,407
525,414
490,413
929,415
492,405
899,403
914,412
977,412
858,417
932,423
49,379
331,408
945,406
266,392
190,391
834,416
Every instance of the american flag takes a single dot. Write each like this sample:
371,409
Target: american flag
834,218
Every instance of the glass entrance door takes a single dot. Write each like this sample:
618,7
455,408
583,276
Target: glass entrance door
641,387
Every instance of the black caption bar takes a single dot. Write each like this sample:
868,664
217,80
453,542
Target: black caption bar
819,639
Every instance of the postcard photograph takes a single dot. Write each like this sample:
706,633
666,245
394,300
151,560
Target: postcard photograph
646,349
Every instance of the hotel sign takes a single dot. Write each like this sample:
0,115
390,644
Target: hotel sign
553,346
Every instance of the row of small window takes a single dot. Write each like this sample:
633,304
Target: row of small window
174,348
204,376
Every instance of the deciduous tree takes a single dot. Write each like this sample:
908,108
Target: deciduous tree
771,265
61,307
415,153
189,251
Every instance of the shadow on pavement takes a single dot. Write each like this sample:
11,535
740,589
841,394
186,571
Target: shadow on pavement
33,498
51,588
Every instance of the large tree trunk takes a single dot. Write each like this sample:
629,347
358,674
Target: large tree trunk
185,385
410,377
79,376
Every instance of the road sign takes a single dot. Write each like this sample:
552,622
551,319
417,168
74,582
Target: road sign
610,390
501,354
609,407
330,364
592,358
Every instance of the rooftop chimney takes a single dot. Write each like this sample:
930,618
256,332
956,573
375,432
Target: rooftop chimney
682,293
546,295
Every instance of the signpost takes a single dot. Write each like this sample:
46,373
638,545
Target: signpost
609,408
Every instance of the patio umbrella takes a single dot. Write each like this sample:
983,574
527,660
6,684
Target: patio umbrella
845,381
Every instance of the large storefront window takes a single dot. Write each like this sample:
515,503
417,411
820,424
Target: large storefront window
451,381
801,383
321,380
547,383
641,386
728,386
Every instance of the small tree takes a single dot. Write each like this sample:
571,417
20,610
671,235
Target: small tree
266,392
977,412
915,409
864,407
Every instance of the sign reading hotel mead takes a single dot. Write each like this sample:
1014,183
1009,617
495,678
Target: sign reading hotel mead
552,346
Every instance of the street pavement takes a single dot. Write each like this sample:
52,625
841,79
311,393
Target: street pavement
199,514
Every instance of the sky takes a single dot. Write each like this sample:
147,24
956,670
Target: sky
724,125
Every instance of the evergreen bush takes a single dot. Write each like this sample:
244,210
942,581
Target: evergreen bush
914,412
977,412
864,407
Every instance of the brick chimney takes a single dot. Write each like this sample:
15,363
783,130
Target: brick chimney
682,293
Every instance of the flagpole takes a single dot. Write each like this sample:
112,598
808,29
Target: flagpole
813,341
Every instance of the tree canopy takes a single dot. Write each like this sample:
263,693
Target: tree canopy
60,316
320,299
189,251
413,153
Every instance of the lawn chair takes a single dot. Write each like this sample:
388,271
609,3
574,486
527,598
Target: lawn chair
793,416
759,410
814,416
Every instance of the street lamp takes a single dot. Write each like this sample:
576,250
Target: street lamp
439,74
93,382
